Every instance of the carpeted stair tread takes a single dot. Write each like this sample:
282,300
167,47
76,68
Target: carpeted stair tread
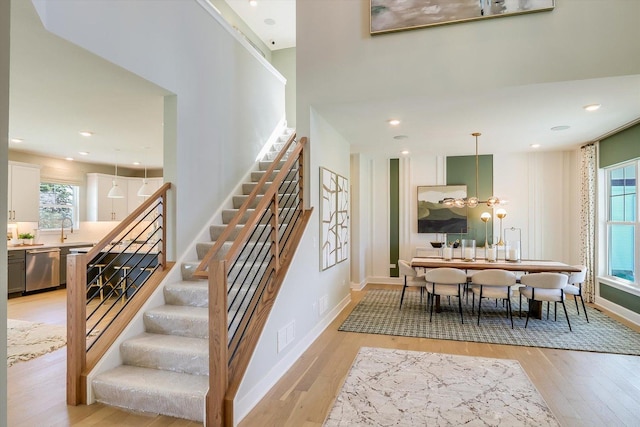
167,353
248,187
153,391
192,293
178,320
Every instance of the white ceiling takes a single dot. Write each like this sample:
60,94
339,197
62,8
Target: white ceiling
57,89
273,21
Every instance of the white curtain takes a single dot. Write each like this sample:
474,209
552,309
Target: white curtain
588,171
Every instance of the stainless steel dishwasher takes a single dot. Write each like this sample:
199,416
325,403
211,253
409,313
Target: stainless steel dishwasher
43,269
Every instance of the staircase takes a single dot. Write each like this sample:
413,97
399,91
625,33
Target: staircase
165,369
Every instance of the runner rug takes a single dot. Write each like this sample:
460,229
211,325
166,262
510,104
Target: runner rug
387,387
28,340
379,313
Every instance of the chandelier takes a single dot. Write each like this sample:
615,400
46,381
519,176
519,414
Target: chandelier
471,202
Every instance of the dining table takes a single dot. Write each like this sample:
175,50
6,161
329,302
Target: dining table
525,266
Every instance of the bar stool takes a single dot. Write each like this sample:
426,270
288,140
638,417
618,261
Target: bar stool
124,272
99,280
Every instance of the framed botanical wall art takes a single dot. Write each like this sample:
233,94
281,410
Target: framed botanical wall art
399,15
435,217
334,218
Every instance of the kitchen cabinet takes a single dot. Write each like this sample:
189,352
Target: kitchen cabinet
64,251
23,192
16,272
99,206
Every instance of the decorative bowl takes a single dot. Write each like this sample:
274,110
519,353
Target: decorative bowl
456,244
436,244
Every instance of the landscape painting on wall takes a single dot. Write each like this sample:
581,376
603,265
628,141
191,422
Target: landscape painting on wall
398,15
435,217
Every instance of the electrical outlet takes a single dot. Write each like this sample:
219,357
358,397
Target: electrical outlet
286,335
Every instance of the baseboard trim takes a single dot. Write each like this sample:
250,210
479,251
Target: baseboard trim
626,314
244,405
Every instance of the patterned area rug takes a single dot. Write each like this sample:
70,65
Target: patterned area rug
379,313
28,340
410,388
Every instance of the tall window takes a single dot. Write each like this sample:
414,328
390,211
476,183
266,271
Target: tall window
622,222
57,201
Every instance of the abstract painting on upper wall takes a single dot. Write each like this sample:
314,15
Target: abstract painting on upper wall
434,216
399,15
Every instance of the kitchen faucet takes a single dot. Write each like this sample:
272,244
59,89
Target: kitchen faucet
62,236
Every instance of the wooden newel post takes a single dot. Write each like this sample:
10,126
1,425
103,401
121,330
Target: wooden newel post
76,327
218,339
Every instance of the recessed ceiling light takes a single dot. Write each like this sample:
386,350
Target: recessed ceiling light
270,21
534,145
83,153
405,152
85,133
17,140
253,3
592,107
400,137
562,127
69,158
136,163
394,122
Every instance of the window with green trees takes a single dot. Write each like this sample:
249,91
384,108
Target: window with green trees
622,221
57,201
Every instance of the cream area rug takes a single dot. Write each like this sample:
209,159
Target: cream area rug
388,387
28,340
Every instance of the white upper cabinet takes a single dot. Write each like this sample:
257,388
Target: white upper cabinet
24,192
99,206
102,208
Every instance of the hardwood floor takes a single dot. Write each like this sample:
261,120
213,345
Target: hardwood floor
581,388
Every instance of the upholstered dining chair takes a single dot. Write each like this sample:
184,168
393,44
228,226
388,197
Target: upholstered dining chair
544,287
493,284
574,287
445,281
411,278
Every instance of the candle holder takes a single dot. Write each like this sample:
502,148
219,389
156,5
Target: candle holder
513,248
491,253
468,250
501,214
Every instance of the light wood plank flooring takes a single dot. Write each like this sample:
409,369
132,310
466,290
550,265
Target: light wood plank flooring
581,388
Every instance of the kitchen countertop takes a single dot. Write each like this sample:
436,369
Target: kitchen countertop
133,248
47,245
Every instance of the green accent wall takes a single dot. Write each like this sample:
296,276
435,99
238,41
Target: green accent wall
620,147
394,216
622,298
461,170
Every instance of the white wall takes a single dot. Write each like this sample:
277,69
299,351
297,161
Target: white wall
541,189
5,7
229,99
285,61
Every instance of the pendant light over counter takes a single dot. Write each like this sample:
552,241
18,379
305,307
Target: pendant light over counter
145,190
115,192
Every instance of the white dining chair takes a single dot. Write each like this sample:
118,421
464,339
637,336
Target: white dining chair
445,281
493,284
411,278
544,287
574,287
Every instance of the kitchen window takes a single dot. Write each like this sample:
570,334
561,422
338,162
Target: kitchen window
58,201
623,235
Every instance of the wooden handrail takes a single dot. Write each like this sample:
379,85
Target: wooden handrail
201,269
227,366
81,361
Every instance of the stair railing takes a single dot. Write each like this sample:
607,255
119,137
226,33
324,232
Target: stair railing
244,282
107,285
